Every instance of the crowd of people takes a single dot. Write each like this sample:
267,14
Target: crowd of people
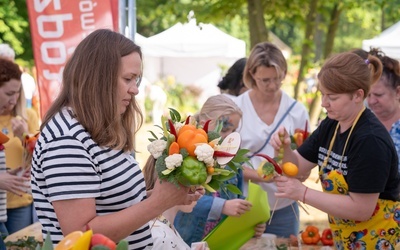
84,156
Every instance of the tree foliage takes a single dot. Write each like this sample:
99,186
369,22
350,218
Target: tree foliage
14,28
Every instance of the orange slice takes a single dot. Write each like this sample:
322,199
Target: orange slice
69,241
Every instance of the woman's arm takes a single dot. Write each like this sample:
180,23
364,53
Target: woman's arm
355,206
77,214
251,174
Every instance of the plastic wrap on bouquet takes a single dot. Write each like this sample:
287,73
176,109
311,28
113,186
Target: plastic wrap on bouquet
233,232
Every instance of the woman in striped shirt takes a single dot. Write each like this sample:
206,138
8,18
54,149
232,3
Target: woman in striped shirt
83,171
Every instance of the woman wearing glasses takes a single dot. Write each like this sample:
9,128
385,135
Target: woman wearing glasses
265,107
83,172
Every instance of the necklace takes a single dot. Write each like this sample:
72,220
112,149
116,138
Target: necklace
4,129
347,140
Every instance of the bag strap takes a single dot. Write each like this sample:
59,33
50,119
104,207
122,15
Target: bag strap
273,131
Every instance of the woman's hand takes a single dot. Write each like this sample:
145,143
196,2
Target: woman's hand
276,139
15,184
289,188
21,171
236,207
259,229
170,194
19,127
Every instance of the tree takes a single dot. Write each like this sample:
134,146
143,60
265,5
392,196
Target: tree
14,28
315,106
307,45
257,26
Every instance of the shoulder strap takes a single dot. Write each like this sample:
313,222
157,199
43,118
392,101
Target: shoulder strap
273,131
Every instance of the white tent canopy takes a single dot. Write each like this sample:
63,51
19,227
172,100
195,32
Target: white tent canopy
204,40
388,41
192,54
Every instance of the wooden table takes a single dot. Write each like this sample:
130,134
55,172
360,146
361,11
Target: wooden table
265,244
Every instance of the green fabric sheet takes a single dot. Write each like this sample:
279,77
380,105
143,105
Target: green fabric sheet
233,232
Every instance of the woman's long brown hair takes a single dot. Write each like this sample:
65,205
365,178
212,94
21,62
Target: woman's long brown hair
89,87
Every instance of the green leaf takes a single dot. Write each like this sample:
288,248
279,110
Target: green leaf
154,136
214,183
233,165
122,245
241,156
47,245
175,116
222,178
234,189
158,126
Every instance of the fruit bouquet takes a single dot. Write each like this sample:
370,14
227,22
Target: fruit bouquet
271,167
192,155
29,142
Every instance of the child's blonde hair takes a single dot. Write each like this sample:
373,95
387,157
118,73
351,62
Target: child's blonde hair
216,107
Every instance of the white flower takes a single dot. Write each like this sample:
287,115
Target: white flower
204,153
178,126
173,161
157,147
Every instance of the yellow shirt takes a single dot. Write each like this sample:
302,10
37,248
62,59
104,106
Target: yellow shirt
14,154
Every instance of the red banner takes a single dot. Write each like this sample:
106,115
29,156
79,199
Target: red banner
57,26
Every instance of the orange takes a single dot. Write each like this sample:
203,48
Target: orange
290,169
69,241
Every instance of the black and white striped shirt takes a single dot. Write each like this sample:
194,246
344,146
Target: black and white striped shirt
68,164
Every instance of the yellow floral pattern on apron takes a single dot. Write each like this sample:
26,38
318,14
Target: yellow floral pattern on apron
380,232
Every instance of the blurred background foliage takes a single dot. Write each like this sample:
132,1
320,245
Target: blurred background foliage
359,20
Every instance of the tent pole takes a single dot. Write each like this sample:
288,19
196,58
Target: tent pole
132,19
122,16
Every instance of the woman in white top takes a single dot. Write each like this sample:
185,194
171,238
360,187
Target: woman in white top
265,106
